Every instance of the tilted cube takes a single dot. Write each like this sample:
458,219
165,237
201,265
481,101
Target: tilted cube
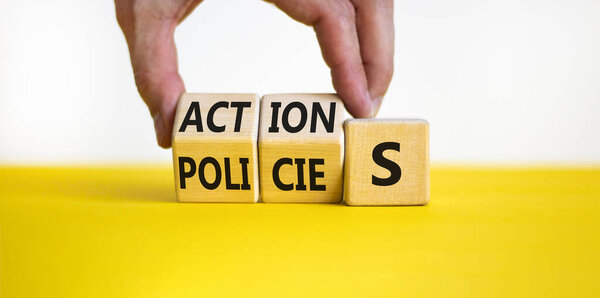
214,148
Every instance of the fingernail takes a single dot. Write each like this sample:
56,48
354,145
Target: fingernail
375,105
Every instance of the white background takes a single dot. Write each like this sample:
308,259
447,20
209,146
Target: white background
511,81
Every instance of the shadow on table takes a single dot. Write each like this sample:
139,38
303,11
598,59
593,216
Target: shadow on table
125,185
119,190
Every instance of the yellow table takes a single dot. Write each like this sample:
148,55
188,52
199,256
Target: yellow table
117,232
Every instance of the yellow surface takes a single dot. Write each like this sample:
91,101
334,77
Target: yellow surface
117,232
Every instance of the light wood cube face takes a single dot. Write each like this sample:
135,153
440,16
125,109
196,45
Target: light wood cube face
387,162
215,148
301,148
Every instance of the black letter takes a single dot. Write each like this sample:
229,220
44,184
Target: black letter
182,173
195,109
328,123
300,164
240,105
201,167
394,168
211,114
275,106
276,179
244,162
228,184
285,117
314,174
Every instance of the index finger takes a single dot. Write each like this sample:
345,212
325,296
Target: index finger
334,22
375,27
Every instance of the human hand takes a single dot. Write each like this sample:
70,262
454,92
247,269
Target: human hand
356,39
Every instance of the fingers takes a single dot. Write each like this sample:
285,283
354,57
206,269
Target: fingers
154,60
338,39
334,24
356,40
375,27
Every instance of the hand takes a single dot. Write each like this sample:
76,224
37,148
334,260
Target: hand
356,39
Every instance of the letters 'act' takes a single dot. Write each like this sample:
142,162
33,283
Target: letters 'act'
215,153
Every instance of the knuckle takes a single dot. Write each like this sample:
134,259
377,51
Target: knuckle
160,91
347,10
344,11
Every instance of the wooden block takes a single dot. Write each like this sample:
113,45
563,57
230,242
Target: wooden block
387,162
301,148
214,148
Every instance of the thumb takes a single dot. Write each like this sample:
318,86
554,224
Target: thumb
154,60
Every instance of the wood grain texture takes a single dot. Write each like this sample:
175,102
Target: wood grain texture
369,172
233,150
309,158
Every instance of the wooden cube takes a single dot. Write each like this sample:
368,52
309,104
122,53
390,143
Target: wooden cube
214,148
387,162
301,148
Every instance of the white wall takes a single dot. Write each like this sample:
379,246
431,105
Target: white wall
499,81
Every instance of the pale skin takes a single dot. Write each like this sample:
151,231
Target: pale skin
356,39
